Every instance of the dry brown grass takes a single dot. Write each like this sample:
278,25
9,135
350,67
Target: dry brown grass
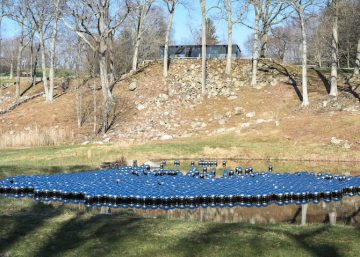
36,137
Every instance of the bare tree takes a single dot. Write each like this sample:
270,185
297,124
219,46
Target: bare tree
300,6
33,56
40,12
228,8
203,46
78,89
11,75
53,48
334,49
257,8
277,43
154,33
18,12
94,108
2,14
171,8
272,13
94,22
142,9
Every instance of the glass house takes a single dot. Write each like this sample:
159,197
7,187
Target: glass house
194,51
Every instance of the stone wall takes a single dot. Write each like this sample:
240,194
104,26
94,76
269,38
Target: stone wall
185,78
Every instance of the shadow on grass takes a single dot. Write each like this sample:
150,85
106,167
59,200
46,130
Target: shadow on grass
14,170
352,217
292,79
324,80
352,89
254,241
94,236
24,222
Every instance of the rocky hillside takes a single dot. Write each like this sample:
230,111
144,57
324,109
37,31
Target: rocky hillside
151,108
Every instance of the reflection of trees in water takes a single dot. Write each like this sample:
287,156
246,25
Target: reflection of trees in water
347,213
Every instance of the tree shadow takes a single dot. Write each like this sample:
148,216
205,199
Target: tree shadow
350,218
90,236
351,88
29,87
9,170
324,80
284,71
24,222
315,249
197,243
296,215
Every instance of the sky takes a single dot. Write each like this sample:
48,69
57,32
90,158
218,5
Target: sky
185,18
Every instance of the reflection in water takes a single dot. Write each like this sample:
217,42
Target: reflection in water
348,212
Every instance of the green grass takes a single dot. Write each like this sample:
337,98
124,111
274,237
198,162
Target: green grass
76,158
36,229
3,81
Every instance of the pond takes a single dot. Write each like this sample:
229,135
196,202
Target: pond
347,209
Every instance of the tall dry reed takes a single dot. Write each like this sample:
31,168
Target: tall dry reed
35,137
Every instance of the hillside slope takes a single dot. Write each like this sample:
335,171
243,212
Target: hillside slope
157,109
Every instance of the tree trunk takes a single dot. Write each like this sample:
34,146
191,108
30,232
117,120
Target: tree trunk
52,60
31,56
111,59
108,102
78,99
357,61
264,39
94,105
229,50
18,61
11,76
78,95
43,66
166,46
136,54
334,44
203,47
255,48
18,69
104,73
305,101
138,36
33,72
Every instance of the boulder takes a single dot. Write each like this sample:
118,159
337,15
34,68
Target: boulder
166,137
238,110
335,141
132,86
140,107
250,115
232,97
